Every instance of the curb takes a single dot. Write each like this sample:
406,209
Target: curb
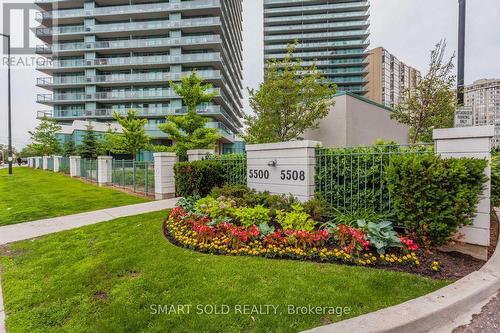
428,312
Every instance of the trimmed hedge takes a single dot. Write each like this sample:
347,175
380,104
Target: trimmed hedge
433,197
198,177
495,179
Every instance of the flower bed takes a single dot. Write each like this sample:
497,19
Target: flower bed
237,221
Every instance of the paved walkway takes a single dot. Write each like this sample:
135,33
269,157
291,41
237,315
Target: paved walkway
27,230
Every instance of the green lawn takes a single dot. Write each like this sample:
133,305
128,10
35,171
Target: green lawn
112,276
31,194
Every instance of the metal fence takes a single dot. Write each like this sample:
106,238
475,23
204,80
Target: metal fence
136,176
235,168
64,165
88,169
50,163
351,179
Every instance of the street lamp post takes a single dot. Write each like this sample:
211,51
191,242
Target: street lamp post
9,102
462,7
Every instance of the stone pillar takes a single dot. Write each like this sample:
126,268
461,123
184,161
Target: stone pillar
164,175
104,170
74,166
45,162
470,142
198,154
57,162
283,168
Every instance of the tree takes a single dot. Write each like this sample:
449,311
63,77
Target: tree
188,131
432,103
44,137
134,136
90,144
69,148
28,151
292,99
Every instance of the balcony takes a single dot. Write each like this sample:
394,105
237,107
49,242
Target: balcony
214,111
277,20
209,75
320,45
286,7
136,44
65,15
139,61
128,27
313,36
334,63
117,95
318,54
317,26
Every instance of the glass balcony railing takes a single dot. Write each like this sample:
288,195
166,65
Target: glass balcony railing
140,60
130,26
132,43
209,110
318,45
306,8
336,62
316,26
128,9
315,54
304,36
108,113
315,17
112,95
121,77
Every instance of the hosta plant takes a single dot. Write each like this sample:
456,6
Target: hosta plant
381,235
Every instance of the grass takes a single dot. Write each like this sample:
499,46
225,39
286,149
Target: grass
31,194
111,277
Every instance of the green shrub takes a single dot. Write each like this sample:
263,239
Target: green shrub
317,208
220,208
495,179
296,219
252,216
351,218
433,197
197,177
273,202
235,192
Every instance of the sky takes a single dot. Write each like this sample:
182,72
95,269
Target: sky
407,28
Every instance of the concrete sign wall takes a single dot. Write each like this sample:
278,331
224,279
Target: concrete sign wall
470,142
283,168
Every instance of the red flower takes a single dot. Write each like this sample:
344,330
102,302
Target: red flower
352,239
409,243
254,231
177,213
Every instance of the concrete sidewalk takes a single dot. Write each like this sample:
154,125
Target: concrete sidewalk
27,230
